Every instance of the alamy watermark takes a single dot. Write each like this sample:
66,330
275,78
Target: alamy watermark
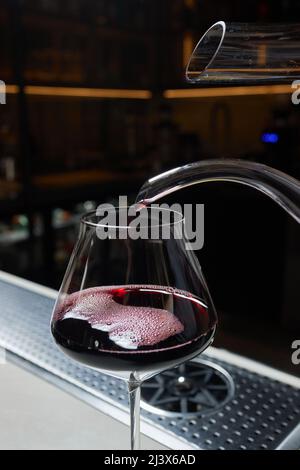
296,353
296,93
153,222
2,92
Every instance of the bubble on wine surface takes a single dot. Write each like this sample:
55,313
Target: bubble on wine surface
129,327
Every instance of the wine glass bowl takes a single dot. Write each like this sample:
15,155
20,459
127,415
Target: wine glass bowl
131,306
127,329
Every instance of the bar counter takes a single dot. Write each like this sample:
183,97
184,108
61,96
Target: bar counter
48,401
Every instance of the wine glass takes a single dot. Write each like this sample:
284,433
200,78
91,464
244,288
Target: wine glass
133,306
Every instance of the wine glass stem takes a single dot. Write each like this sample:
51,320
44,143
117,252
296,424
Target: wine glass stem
134,388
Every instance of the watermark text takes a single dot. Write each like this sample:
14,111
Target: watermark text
2,92
296,353
153,222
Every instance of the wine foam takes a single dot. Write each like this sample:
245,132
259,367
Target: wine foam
129,327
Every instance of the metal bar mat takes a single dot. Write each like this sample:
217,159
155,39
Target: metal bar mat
255,413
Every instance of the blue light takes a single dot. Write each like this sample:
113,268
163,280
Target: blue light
270,138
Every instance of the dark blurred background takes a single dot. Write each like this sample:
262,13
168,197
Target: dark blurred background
89,116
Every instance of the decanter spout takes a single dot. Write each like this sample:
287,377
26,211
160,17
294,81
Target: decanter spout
282,188
240,53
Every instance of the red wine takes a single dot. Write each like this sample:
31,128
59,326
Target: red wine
132,328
